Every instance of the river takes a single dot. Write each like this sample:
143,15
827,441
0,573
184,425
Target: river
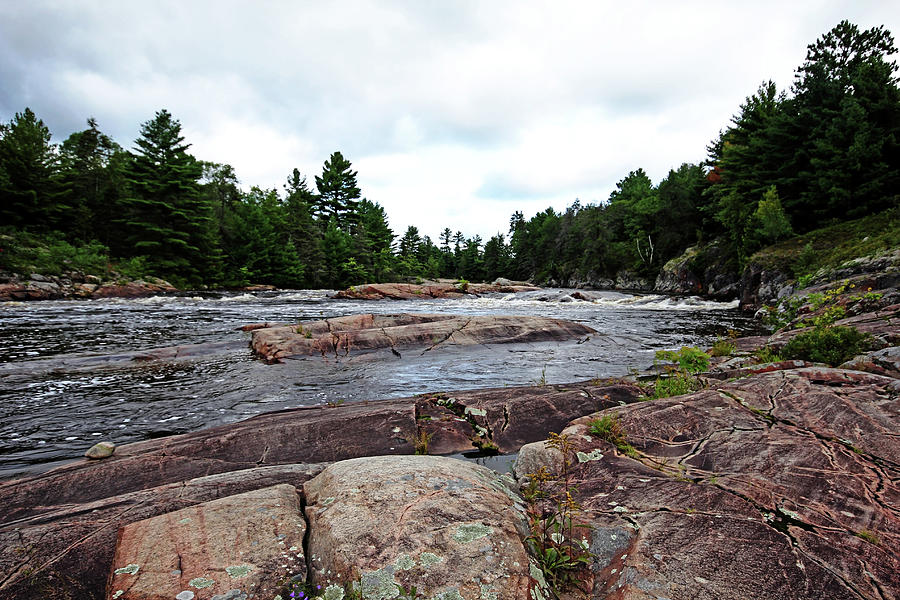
69,375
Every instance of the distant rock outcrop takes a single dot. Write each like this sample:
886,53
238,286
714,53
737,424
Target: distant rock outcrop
77,285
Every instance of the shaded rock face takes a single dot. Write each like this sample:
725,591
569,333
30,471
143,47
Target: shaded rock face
700,270
345,337
448,528
234,543
783,485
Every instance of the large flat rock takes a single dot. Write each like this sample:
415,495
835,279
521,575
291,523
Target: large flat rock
448,528
247,542
345,337
782,485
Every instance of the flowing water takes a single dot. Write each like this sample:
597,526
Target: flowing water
70,375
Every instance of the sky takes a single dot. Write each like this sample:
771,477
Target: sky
454,113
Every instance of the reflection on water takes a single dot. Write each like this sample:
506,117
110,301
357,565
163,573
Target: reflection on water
68,378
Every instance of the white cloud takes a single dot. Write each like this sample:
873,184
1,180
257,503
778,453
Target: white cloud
454,114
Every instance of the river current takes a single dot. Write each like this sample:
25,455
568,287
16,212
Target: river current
69,375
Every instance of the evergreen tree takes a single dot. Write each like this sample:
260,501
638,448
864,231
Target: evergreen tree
166,218
305,233
847,112
30,191
338,193
93,174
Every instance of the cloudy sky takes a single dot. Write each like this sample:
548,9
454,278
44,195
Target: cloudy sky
455,113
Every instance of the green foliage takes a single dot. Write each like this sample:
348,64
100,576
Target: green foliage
830,345
773,224
689,358
674,384
870,537
50,254
610,429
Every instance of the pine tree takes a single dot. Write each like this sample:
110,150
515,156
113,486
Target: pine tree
338,193
30,190
166,218
93,174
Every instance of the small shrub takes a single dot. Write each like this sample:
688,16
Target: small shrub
420,442
462,285
690,359
723,347
675,384
767,354
829,345
558,541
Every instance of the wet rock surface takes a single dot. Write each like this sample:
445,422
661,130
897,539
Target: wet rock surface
779,480
448,528
347,337
58,529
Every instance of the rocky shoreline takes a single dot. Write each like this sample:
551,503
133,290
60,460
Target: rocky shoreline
76,285
776,480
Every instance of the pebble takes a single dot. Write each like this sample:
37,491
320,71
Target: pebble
101,450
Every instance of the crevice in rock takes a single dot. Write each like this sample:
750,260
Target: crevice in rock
306,536
262,459
505,418
447,337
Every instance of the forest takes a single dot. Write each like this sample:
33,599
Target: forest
788,162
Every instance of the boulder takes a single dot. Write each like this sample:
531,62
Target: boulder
349,336
448,528
795,468
248,542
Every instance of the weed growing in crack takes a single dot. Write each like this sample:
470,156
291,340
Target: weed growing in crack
558,539
610,429
870,537
420,442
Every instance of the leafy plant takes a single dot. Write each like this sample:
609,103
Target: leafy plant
558,539
829,345
767,354
420,442
675,384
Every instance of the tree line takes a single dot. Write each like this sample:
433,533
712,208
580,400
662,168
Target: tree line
786,163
